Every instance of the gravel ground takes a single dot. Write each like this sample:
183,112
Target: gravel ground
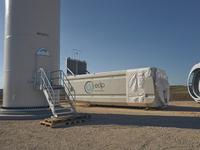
175,127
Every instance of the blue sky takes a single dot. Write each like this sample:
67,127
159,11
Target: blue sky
128,34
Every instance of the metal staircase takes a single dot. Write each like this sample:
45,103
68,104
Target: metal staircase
57,92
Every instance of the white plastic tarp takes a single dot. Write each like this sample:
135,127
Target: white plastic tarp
135,82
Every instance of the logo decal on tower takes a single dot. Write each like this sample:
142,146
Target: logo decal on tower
89,87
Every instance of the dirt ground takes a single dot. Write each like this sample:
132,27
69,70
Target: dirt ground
175,127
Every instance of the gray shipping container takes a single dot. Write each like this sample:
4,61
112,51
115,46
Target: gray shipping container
145,87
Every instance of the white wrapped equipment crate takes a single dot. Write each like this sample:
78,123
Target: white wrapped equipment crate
145,87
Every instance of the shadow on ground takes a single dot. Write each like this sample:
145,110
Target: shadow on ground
188,122
169,108
182,108
142,120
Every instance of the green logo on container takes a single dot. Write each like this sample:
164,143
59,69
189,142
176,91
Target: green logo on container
89,87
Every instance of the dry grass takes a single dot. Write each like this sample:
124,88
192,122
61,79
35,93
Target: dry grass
179,90
179,93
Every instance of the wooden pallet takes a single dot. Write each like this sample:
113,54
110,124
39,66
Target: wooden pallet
64,120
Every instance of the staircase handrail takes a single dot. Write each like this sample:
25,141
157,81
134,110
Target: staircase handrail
46,83
62,78
71,87
70,71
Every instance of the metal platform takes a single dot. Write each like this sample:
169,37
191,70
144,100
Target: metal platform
24,114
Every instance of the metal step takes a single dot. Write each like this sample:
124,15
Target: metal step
65,104
68,108
69,112
54,95
62,96
56,87
61,100
59,108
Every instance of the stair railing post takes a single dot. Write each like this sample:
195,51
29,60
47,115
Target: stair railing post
60,77
40,80
51,76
